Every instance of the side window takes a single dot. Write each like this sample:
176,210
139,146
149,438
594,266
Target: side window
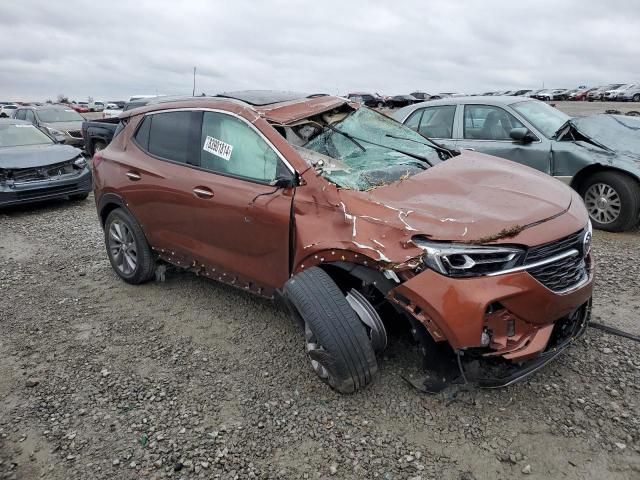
414,119
20,114
169,135
437,122
486,122
142,135
29,116
229,146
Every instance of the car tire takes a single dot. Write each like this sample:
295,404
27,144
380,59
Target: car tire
636,97
337,344
127,248
602,190
79,197
380,104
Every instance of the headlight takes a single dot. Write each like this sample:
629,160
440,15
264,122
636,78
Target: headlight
80,163
456,260
56,133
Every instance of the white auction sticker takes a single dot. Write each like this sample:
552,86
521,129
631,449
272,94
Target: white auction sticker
218,148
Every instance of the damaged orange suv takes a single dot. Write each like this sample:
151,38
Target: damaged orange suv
357,222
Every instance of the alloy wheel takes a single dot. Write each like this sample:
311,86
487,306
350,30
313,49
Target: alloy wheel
603,203
122,247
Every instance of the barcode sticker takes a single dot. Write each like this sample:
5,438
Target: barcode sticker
218,148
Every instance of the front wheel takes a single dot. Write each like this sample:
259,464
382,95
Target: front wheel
636,97
336,341
612,200
127,248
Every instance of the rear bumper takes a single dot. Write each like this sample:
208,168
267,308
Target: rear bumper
63,186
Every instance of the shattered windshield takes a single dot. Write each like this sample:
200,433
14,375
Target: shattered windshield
545,118
371,150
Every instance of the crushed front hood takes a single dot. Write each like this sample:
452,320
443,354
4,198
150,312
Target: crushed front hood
618,133
36,156
472,197
64,126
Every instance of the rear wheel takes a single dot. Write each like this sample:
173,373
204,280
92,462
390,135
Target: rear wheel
336,340
636,97
127,248
612,200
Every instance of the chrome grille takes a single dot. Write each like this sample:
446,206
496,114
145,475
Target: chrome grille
40,173
564,273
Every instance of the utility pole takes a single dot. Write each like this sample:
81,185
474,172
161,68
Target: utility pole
194,82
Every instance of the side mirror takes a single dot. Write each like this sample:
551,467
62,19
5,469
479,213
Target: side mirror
522,134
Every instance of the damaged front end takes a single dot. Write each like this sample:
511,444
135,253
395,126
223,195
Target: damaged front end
489,260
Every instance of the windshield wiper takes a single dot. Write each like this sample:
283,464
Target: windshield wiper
436,146
347,135
408,154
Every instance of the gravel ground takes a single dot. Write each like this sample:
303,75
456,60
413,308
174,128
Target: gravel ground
191,379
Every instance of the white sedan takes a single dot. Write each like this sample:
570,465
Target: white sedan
111,110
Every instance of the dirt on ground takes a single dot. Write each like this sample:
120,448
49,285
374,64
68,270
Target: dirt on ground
192,379
188,378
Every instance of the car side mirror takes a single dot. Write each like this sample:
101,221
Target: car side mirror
522,134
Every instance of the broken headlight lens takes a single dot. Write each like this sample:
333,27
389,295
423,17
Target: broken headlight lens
455,260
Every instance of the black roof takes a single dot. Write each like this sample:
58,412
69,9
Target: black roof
265,97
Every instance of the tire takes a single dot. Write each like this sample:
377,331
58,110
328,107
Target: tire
337,343
135,244
79,197
614,187
98,145
380,104
636,97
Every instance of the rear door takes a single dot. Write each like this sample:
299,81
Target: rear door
435,122
486,129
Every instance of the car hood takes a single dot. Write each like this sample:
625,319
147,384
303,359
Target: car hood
63,126
36,155
617,133
470,198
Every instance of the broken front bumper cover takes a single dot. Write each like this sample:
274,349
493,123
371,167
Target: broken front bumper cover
46,189
488,372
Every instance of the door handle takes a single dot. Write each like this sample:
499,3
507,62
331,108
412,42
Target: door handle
203,192
135,176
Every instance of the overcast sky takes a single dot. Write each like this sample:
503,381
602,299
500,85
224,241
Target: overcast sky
114,49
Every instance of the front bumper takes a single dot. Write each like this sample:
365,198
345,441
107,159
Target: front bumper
458,310
46,189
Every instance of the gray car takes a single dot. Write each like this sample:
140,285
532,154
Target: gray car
599,156
33,167
631,94
61,122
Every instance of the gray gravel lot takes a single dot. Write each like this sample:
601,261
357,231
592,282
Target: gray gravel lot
192,379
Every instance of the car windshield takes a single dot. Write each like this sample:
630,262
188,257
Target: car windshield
57,115
12,135
545,118
370,150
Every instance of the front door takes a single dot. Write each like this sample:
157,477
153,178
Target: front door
241,221
485,128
